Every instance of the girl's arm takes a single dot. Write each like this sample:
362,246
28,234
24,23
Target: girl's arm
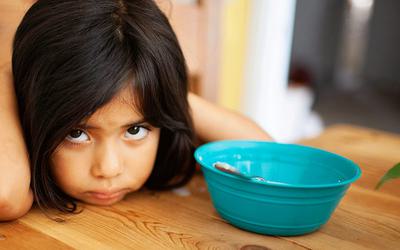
15,195
212,122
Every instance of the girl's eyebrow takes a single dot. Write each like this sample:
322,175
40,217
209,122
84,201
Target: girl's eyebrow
130,124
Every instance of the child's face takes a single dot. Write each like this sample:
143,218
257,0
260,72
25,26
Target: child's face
110,155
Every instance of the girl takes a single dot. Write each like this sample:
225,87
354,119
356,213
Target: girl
103,107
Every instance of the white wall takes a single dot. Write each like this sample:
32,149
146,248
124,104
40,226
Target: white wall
267,65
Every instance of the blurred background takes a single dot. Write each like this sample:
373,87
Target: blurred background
295,67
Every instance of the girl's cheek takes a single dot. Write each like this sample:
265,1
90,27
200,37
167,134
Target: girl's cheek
69,167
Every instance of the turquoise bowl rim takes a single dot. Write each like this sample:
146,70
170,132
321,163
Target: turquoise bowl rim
203,148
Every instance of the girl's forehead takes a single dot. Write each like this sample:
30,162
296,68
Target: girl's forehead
120,110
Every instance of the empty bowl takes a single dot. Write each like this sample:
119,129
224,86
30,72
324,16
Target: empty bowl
303,185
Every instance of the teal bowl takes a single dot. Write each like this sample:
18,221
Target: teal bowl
304,185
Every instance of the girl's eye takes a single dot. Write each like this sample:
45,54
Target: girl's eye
77,136
136,133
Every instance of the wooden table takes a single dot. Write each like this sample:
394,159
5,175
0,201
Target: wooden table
177,219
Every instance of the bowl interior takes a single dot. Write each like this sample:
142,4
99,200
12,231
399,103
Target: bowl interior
283,164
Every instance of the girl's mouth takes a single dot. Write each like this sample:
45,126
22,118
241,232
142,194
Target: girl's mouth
101,195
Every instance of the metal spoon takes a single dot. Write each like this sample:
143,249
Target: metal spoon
227,168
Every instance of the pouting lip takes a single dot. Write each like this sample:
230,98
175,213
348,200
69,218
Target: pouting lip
107,194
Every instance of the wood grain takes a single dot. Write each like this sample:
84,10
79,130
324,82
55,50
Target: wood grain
15,235
161,220
365,218
374,151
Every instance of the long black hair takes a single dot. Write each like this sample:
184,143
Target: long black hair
71,57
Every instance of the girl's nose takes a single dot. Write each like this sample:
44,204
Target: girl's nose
106,162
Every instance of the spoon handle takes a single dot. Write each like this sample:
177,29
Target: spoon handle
227,168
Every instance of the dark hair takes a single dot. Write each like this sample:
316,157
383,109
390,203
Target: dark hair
71,57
